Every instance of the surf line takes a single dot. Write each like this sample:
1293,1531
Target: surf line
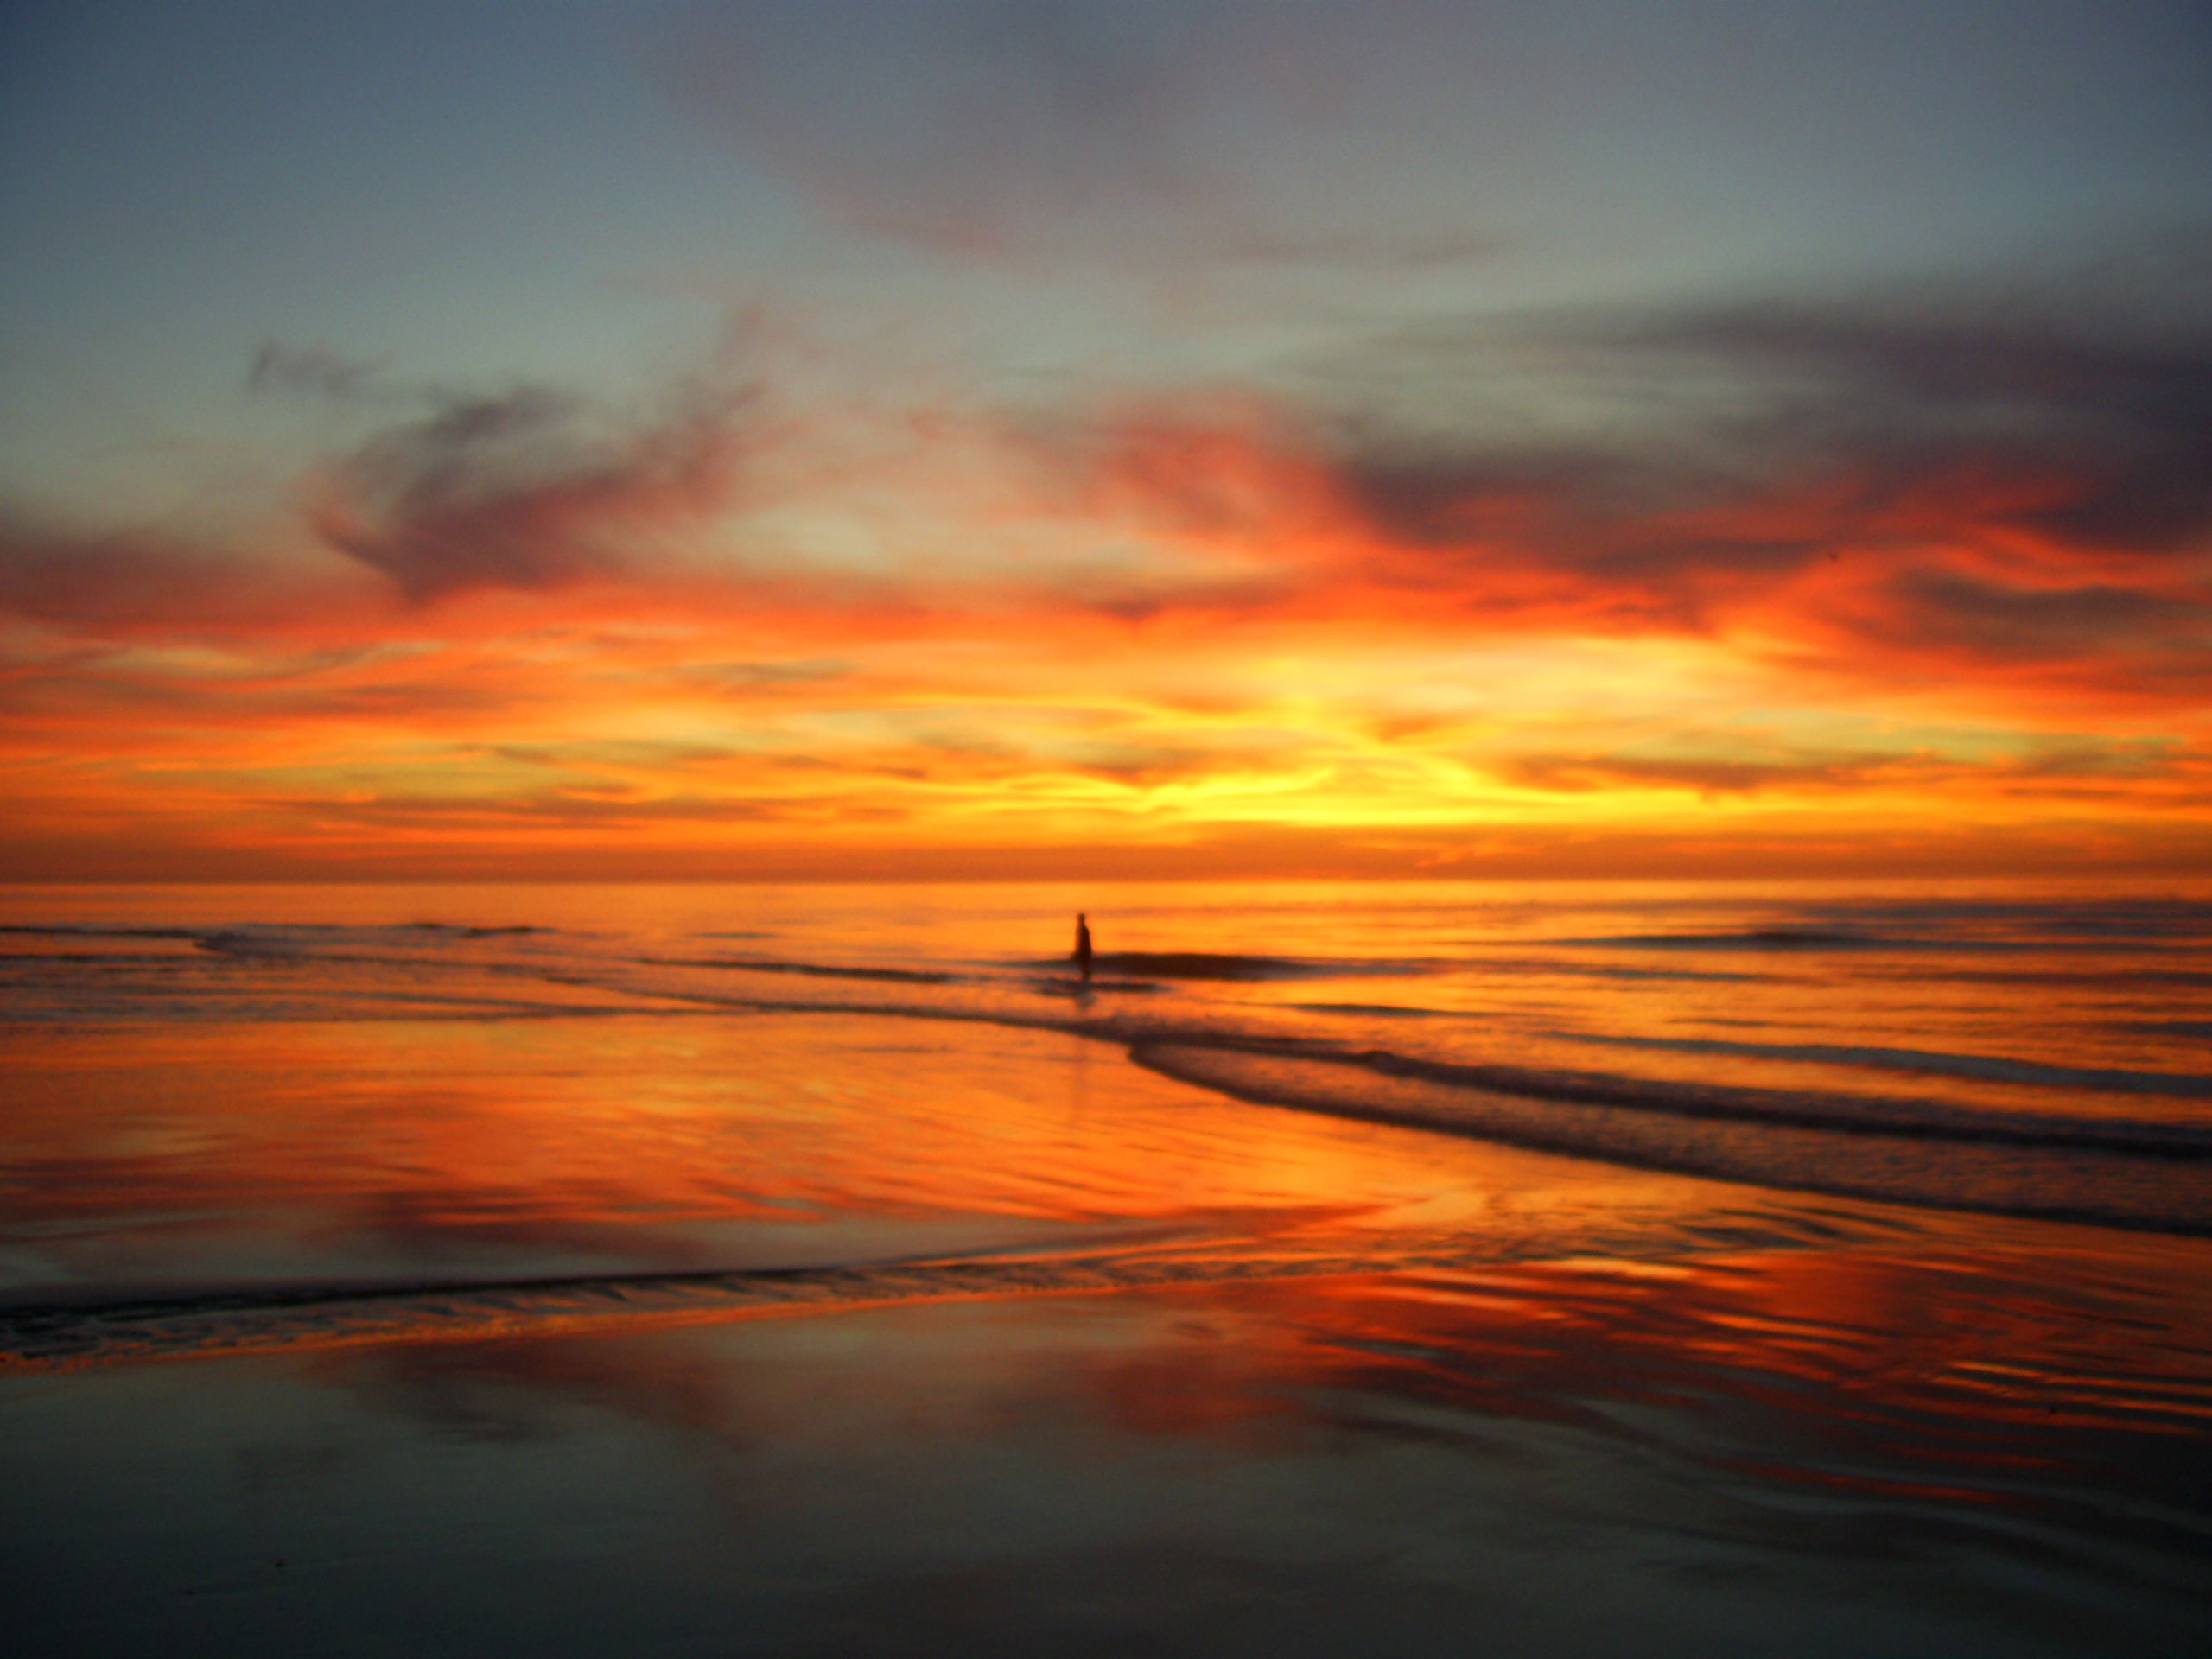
46,1340
2142,1188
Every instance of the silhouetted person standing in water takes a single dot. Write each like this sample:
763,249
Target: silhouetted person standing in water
1082,945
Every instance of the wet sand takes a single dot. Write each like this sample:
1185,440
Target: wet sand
1095,1362
1721,1457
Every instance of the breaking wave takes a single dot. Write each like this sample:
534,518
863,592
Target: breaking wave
2115,1174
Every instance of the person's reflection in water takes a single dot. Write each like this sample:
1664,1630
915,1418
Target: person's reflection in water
1083,945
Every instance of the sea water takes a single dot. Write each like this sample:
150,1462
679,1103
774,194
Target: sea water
2040,1051
1785,1250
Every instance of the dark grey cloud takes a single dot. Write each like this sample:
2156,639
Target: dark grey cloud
57,576
2022,484
135,580
1619,414
533,490
2146,641
314,369
2122,425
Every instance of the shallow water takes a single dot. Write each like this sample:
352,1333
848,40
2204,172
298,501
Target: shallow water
1874,1041
731,1270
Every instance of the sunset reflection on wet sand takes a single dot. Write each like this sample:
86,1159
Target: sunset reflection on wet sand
1112,1365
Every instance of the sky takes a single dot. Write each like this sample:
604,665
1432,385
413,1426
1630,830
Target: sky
1086,439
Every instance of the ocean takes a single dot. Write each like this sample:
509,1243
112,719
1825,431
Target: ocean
1624,1268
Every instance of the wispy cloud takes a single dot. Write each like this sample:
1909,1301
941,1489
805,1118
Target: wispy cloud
1118,132
520,492
148,582
319,369
972,124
